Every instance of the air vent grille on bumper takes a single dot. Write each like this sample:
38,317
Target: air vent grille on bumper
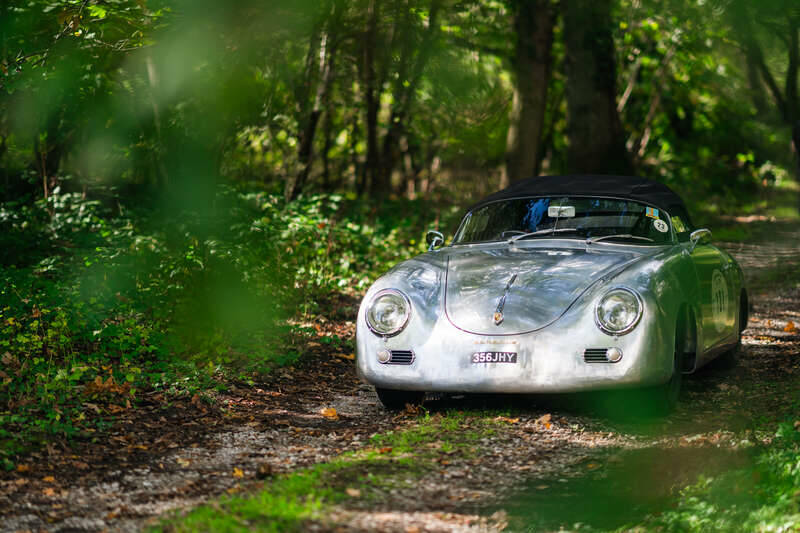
401,357
595,355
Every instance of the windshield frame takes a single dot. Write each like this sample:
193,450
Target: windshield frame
672,237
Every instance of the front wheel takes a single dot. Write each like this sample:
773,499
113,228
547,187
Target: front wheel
395,400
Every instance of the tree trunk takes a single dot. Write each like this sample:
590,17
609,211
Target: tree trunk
639,146
533,22
305,154
374,183
327,131
47,159
322,72
410,72
787,100
594,130
162,179
792,104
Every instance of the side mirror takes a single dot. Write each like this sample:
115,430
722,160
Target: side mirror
434,239
699,236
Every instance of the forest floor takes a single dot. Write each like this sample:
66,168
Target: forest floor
457,464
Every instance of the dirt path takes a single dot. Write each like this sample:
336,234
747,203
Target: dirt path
171,455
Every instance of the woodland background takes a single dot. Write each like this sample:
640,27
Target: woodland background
183,183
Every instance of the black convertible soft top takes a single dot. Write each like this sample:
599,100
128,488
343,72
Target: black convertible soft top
626,187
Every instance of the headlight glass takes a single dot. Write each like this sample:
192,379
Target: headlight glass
618,311
388,312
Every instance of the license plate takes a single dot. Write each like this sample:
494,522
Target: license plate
494,357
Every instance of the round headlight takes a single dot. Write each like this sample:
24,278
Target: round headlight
388,312
618,311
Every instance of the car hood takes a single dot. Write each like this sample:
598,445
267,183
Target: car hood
547,282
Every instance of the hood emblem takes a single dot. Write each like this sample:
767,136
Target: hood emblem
498,312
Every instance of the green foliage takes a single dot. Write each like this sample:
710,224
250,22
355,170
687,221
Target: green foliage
329,243
689,114
141,298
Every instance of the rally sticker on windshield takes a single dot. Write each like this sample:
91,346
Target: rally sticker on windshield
661,226
651,212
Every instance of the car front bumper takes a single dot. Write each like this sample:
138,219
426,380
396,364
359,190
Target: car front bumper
550,360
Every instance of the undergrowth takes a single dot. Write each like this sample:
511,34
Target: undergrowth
100,301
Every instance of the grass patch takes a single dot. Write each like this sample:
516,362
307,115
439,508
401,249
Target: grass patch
393,459
284,505
451,431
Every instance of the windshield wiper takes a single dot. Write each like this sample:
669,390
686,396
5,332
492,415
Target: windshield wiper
593,240
541,232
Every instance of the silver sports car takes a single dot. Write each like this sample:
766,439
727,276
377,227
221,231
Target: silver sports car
555,284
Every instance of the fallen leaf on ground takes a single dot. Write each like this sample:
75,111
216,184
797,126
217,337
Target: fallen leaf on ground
506,419
98,387
264,471
183,462
790,327
593,466
385,449
330,413
49,479
238,473
413,409
544,420
353,493
23,468
49,492
9,360
348,356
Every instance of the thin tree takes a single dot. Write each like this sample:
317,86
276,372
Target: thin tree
531,65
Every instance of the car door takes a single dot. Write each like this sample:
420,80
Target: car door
718,301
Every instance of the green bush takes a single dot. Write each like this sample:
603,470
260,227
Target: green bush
113,299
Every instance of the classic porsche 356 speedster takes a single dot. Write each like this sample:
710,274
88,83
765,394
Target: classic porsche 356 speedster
555,284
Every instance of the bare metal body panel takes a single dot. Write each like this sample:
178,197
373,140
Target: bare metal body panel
549,315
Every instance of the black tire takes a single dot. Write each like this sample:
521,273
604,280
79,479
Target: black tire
395,400
744,312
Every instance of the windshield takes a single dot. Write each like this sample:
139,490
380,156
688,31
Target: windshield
566,218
